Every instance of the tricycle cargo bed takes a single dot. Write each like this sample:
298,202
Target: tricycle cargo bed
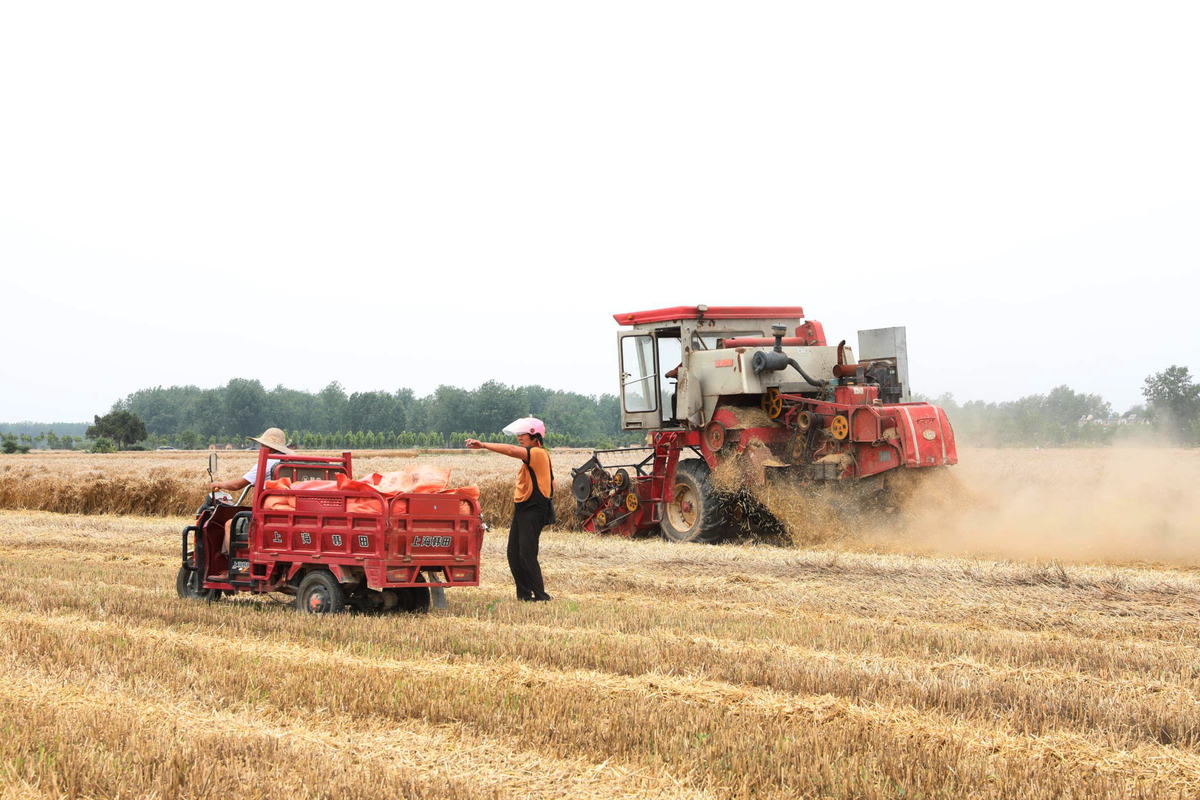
420,533
360,542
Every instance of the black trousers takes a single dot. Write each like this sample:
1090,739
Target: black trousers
523,536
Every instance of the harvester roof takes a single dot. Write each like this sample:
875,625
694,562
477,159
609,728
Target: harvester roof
709,312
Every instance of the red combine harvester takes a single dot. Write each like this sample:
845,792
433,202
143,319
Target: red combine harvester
759,387
331,549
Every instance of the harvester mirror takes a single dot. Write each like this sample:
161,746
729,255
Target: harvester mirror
212,463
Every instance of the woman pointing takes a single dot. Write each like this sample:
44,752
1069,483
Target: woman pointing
534,507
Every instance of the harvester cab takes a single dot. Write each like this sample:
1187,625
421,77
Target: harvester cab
760,388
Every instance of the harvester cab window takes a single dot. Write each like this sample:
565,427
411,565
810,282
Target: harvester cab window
670,354
639,376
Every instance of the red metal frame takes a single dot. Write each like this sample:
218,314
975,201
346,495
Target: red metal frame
876,438
880,438
713,312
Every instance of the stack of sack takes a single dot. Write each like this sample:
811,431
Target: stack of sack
417,479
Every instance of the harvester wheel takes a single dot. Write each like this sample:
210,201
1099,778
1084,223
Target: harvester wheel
696,514
320,593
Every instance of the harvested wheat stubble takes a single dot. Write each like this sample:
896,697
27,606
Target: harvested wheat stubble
720,671
172,484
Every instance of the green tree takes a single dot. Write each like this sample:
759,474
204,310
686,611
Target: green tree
207,413
122,427
1174,401
451,410
160,409
496,405
330,409
245,407
188,439
103,445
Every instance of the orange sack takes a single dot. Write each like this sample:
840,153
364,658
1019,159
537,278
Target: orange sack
410,480
279,502
364,505
314,486
418,478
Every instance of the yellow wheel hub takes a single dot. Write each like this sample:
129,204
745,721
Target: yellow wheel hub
772,403
631,502
682,510
840,427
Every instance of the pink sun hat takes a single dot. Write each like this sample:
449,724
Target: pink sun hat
530,425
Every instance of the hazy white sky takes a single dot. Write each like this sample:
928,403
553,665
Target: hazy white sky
408,194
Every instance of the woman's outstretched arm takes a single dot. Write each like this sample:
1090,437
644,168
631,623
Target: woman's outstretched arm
510,450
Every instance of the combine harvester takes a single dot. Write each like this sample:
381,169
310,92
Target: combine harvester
342,545
757,388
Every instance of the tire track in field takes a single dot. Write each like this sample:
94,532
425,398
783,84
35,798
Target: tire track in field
647,600
868,665
1151,762
436,752
867,662
644,599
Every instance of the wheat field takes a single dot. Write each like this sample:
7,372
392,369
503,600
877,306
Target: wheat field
922,661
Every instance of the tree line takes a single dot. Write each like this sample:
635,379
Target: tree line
188,417
1064,417
243,407
23,442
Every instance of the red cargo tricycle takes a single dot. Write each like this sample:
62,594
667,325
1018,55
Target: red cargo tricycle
330,548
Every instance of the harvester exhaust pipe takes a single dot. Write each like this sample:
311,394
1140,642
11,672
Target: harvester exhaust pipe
777,360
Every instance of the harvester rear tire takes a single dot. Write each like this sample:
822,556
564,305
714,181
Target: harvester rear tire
697,513
320,593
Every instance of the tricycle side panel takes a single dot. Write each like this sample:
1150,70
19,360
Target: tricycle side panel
348,533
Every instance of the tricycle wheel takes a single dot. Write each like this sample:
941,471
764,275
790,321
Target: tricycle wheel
187,582
413,599
320,593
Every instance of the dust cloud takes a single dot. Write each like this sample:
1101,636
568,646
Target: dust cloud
1110,505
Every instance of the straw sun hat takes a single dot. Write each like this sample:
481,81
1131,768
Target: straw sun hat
274,439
